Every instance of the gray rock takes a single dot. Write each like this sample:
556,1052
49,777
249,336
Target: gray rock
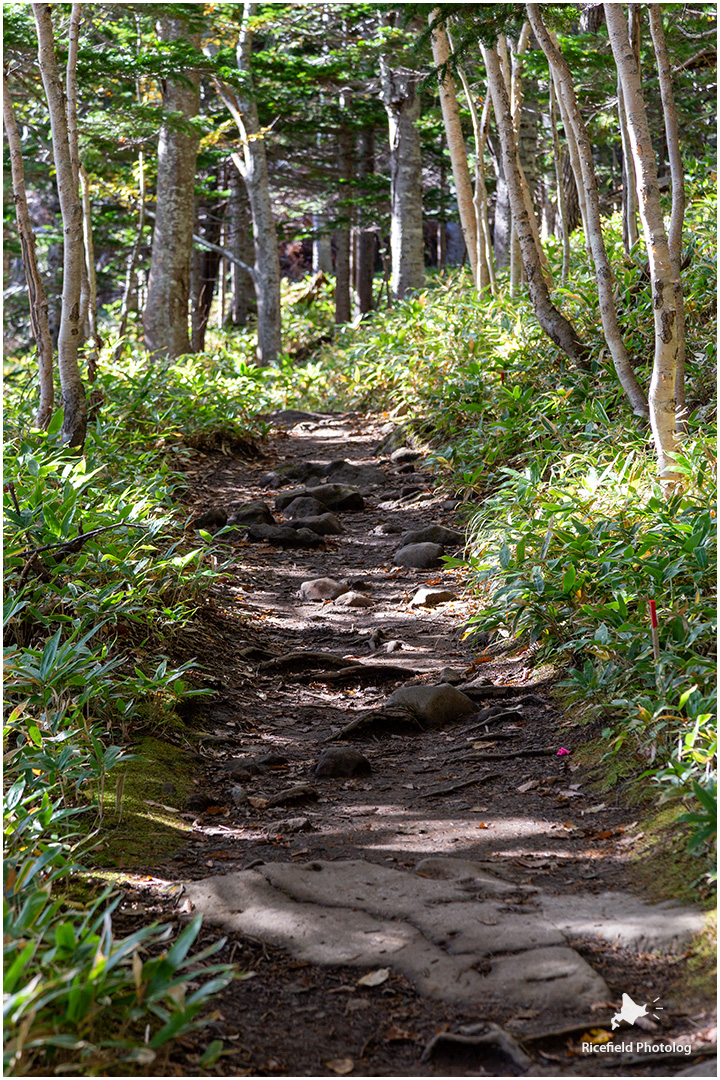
348,472
211,520
489,1049
303,507
436,705
385,528
354,600
431,596
404,454
451,675
292,825
256,512
323,588
332,496
434,534
292,474
342,761
322,524
393,646
283,536
241,768
419,556
411,489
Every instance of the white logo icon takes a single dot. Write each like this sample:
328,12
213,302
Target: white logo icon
630,1012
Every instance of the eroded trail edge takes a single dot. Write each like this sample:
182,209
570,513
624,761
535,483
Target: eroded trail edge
382,798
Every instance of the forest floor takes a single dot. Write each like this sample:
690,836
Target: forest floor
472,873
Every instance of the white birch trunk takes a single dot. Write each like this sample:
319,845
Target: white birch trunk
73,391
562,77
36,289
677,216
662,385
456,148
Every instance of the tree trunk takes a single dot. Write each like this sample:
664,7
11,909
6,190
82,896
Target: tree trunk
456,145
562,212
73,391
72,124
677,217
206,265
562,76
343,306
95,345
402,104
239,241
252,166
36,290
666,314
322,246
551,320
165,318
365,262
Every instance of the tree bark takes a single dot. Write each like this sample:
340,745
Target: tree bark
666,315
552,321
165,318
36,290
402,104
456,145
562,76
239,241
365,262
252,166
677,216
343,305
562,212
93,349
206,266
73,391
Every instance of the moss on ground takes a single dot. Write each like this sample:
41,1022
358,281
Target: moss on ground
145,829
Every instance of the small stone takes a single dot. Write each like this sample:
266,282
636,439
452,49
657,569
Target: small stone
403,455
342,761
241,768
211,520
393,646
430,596
303,507
350,472
255,512
385,528
330,496
436,705
322,524
293,825
394,438
434,534
410,489
269,760
354,600
322,589
238,795
282,536
451,675
419,556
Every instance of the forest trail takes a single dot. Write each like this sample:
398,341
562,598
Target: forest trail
463,864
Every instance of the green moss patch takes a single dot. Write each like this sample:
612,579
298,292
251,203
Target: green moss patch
146,827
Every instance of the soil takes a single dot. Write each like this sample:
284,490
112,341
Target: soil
526,813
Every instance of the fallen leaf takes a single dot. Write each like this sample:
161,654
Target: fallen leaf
528,786
256,802
483,825
594,809
214,810
341,1066
375,978
398,1034
596,1036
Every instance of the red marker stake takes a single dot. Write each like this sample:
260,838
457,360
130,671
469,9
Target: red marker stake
655,633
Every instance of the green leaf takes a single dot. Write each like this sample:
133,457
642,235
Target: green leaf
569,578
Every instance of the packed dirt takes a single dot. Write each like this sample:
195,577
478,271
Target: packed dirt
421,881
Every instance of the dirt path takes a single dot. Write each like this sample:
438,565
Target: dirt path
463,864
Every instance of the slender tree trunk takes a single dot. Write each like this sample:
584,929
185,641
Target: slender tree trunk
239,229
677,217
72,123
165,318
252,166
485,276
442,223
551,320
629,192
566,92
666,314
36,290
365,264
73,391
95,345
206,264
322,246
562,213
456,145
343,306
402,104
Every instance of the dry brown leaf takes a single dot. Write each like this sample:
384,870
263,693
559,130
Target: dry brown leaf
340,1066
375,978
